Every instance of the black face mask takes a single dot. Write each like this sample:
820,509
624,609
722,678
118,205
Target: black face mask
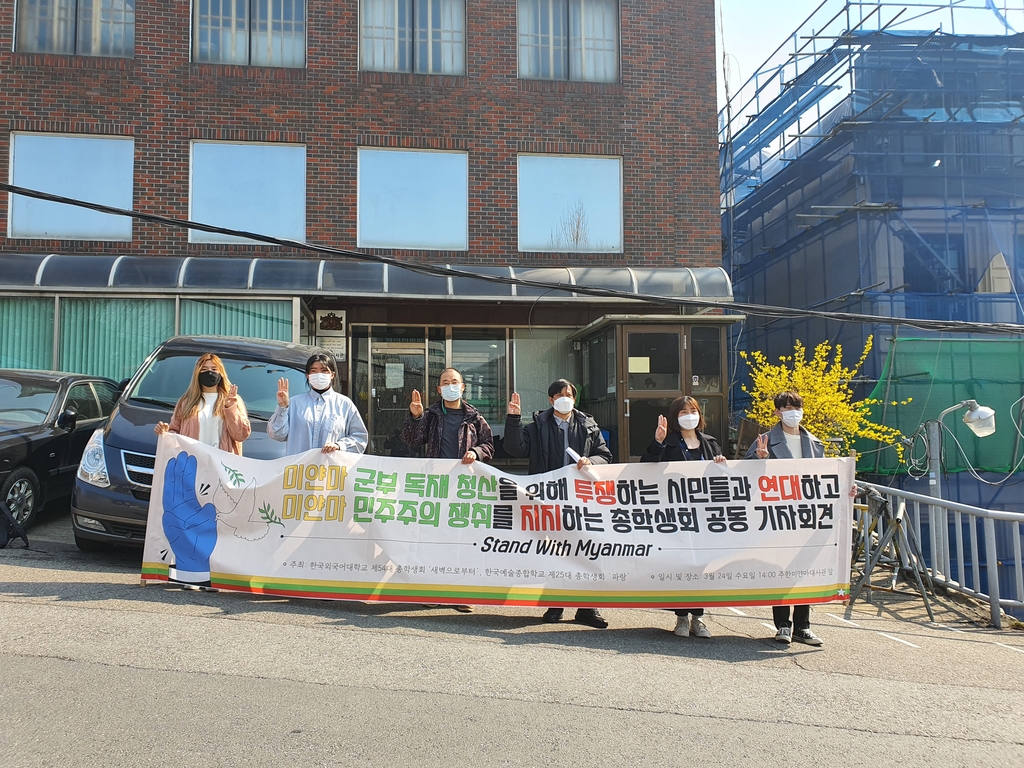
209,379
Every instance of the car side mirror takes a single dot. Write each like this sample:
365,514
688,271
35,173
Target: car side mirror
68,420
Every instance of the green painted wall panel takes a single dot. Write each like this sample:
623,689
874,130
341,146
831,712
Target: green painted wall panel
26,338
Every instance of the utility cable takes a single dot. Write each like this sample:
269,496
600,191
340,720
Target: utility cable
762,310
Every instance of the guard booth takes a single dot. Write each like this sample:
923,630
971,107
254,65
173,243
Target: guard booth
634,366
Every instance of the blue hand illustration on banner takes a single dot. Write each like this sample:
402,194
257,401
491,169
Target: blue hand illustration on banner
190,527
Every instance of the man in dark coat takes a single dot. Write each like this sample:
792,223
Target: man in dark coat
558,437
450,428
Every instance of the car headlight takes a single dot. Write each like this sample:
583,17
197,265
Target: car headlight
93,467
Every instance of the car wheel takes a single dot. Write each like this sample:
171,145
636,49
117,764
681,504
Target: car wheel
88,545
21,494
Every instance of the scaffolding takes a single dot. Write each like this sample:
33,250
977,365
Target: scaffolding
875,164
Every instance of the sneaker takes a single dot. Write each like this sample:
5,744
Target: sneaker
784,635
697,628
807,637
682,626
463,608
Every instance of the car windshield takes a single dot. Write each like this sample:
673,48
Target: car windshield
167,378
25,402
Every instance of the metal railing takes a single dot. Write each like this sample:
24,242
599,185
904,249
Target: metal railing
955,538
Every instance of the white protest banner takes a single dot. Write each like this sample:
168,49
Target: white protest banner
352,527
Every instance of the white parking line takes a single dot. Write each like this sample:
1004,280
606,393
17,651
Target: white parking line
737,611
772,627
898,640
1004,645
845,621
951,629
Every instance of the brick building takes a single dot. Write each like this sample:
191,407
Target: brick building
570,141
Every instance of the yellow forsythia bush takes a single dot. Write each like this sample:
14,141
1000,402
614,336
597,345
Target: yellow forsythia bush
824,383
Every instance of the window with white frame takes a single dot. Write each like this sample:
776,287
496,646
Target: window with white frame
570,204
91,168
569,40
259,188
83,27
424,36
264,33
413,199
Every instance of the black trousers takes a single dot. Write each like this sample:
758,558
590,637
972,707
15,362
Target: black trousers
691,611
801,616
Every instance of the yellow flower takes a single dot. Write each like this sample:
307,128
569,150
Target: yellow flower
829,410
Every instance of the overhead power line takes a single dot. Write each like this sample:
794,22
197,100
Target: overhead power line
760,310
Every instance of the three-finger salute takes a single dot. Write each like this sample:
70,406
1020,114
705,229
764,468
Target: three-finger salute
662,431
514,406
282,392
416,406
232,399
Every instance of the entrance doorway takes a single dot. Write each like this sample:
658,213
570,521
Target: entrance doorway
635,366
398,369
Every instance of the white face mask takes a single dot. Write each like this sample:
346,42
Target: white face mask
451,392
564,404
793,418
689,420
319,381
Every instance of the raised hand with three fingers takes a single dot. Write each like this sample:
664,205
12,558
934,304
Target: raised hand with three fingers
662,431
514,406
416,406
282,392
232,397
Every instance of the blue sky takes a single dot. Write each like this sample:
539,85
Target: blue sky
753,29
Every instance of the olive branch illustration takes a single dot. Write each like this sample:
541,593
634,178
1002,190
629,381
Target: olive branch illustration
236,478
268,515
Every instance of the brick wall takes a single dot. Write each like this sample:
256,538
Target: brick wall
660,118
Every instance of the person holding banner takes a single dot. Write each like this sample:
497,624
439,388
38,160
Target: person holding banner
210,411
788,440
681,437
450,428
320,418
558,437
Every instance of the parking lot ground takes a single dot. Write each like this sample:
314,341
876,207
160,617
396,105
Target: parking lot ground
98,671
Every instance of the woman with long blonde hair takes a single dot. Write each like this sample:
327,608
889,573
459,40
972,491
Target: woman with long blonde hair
210,411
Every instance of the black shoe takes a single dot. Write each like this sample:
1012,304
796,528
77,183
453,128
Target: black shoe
591,618
551,615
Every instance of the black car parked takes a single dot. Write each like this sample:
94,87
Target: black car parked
46,418
110,502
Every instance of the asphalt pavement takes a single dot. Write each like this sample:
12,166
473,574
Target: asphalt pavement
96,670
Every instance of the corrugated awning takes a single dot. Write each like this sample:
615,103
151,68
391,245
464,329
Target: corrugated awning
206,274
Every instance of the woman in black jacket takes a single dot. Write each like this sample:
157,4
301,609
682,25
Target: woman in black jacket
681,437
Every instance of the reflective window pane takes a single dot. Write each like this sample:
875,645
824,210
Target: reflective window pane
653,361
570,204
705,359
413,199
98,170
259,188
480,356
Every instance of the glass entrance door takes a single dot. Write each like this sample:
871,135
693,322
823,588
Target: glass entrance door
650,373
397,369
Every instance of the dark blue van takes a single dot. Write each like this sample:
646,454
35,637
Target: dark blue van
110,501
